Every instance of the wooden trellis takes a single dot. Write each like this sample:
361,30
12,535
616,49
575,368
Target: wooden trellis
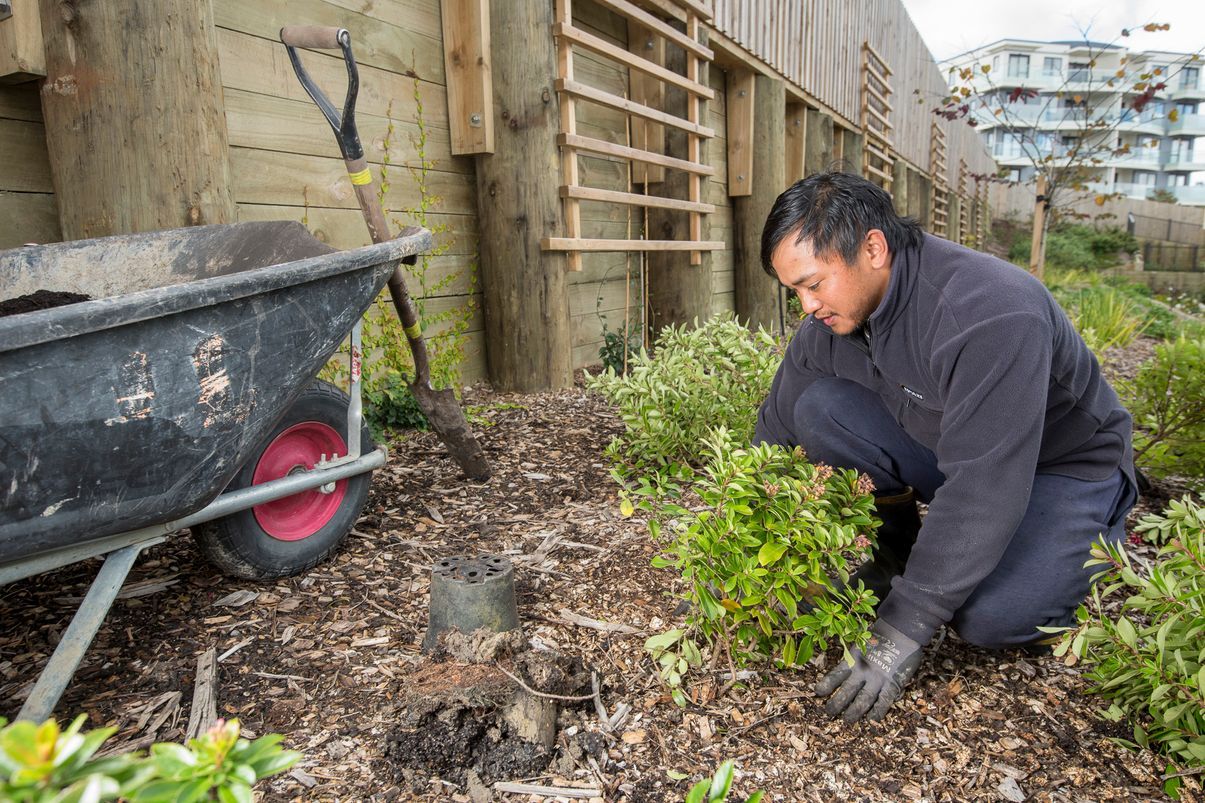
573,91
939,214
877,156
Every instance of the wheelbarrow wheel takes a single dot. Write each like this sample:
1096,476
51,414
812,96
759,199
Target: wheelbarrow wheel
290,535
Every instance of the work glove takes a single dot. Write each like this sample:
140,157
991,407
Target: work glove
876,678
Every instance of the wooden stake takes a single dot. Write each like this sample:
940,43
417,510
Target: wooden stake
1037,255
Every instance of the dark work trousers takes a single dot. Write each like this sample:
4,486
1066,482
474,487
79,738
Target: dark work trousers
1041,578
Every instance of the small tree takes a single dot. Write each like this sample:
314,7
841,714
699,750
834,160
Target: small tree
1089,108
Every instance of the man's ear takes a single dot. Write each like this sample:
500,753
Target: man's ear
877,250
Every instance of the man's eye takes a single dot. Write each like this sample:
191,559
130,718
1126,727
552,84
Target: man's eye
812,289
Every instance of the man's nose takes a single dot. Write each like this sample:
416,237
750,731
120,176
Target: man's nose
809,302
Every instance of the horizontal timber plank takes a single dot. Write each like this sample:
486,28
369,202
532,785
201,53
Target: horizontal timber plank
600,146
605,48
260,65
623,104
570,244
21,102
634,12
26,165
634,199
269,177
295,126
377,43
28,217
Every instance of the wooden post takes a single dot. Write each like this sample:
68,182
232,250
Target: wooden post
756,293
466,29
135,122
679,293
22,55
851,152
818,153
526,297
920,197
796,142
899,186
1037,249
742,95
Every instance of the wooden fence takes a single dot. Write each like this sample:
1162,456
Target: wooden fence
284,163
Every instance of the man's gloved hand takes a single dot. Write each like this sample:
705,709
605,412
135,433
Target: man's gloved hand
875,680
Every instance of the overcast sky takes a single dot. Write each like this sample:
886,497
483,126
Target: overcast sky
953,28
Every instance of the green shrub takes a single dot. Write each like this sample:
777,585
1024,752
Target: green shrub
696,379
1104,316
1167,400
1147,656
759,556
1077,247
41,764
616,351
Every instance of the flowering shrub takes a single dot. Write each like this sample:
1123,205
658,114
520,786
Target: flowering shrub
759,555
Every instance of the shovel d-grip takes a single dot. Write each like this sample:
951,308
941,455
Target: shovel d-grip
440,406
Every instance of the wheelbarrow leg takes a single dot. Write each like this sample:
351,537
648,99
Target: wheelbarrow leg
87,620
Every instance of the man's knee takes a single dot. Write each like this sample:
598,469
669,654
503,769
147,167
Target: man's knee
820,409
997,627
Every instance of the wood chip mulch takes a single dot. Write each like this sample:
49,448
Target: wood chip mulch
320,657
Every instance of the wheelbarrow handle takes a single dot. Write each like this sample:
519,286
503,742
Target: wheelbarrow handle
342,123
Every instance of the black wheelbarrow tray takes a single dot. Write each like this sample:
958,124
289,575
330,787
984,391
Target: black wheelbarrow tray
182,395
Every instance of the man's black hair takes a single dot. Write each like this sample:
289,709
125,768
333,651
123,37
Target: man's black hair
835,211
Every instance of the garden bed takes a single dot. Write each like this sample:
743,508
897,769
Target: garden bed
323,658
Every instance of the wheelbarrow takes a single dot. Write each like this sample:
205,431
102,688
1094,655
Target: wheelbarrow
181,396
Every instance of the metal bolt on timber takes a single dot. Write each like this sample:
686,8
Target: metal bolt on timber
471,593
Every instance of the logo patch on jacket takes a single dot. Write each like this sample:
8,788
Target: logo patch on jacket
912,392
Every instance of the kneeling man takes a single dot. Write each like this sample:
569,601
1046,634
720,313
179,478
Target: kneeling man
953,378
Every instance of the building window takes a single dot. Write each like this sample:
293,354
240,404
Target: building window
1144,178
1014,174
1051,66
1189,77
1080,71
1018,65
1185,107
995,64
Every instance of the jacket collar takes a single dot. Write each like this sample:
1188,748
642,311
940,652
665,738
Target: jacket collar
905,268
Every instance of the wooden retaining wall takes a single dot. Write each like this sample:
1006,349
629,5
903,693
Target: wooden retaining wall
284,163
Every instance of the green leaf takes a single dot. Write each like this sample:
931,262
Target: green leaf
721,783
770,552
698,792
663,641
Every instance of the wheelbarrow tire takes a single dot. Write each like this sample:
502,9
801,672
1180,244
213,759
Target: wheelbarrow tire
288,536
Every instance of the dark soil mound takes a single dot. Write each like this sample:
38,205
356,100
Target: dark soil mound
42,299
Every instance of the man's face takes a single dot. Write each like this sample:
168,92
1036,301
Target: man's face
840,295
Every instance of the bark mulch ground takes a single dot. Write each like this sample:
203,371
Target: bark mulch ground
323,657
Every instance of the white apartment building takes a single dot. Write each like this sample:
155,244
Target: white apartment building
1163,153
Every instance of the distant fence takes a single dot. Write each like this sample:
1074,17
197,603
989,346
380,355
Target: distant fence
1183,222
1165,228
1173,257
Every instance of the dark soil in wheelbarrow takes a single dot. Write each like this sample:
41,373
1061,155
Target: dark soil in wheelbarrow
39,300
330,658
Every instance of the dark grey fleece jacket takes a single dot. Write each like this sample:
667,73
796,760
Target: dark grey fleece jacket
977,362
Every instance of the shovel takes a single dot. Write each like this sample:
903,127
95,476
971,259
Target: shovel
439,406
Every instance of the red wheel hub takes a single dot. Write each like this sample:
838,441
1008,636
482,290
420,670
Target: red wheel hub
297,449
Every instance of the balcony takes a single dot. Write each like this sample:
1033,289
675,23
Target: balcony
1137,159
1192,125
1131,190
1194,91
1190,196
1185,162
